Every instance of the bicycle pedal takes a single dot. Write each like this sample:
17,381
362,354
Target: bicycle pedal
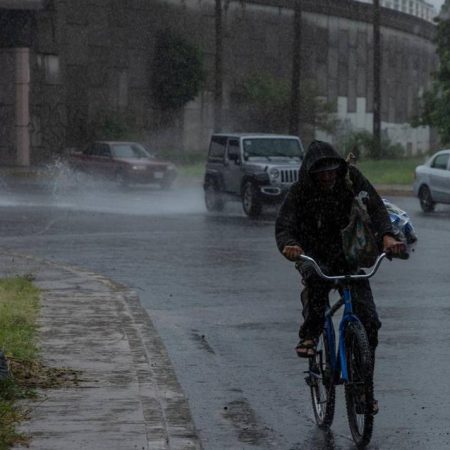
309,381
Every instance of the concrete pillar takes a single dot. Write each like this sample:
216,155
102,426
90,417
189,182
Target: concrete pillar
22,84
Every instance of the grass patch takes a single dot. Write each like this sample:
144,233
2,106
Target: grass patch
383,171
390,171
192,170
19,310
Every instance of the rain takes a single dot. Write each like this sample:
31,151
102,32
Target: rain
203,85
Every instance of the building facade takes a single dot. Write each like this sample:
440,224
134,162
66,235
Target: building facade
77,65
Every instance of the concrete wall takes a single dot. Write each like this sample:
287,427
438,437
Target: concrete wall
336,56
7,106
94,57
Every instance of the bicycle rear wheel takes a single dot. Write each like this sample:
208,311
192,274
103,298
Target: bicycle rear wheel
359,389
321,383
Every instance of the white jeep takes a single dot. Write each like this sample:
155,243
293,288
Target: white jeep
256,169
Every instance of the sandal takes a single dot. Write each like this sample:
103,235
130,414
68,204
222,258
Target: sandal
306,348
360,407
375,408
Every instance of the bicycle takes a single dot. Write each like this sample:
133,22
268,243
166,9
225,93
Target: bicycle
350,364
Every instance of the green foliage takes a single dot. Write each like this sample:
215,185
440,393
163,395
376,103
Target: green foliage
19,307
362,145
112,126
263,103
434,105
178,72
315,110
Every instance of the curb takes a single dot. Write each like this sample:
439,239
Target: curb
128,395
394,190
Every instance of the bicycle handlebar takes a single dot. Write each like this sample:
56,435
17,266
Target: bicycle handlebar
319,272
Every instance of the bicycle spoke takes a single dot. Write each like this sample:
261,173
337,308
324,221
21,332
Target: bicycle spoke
359,389
322,393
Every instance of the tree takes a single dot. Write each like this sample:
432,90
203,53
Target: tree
178,71
263,104
435,104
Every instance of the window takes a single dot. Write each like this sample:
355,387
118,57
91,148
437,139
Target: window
132,151
217,147
101,150
233,149
272,147
440,162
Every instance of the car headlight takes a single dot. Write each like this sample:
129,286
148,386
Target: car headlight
171,167
137,167
274,173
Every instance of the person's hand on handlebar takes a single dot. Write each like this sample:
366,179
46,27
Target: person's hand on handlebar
292,252
393,247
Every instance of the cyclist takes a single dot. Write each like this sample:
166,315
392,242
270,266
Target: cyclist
310,219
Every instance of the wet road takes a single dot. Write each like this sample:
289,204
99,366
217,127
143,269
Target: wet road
226,305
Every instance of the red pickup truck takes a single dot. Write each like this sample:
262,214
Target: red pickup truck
124,162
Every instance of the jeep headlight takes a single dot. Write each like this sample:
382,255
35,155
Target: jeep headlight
274,173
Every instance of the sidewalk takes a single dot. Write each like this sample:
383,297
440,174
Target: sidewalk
128,396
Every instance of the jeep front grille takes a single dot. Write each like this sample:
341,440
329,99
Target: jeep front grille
289,176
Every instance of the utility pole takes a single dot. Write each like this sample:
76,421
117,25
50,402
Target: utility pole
376,79
218,86
294,113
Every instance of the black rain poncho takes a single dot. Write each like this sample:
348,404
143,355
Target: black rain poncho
313,218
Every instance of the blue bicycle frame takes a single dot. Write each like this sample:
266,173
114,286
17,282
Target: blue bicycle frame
338,360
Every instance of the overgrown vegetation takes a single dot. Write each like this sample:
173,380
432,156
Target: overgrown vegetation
362,145
19,307
263,104
178,71
19,310
112,126
435,104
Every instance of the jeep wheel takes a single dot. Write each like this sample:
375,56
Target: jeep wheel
213,199
250,202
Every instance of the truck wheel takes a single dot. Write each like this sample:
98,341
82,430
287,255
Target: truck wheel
250,201
213,198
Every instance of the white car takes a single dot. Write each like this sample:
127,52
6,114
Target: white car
432,181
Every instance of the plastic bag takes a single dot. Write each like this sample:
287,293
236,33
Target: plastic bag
358,240
402,225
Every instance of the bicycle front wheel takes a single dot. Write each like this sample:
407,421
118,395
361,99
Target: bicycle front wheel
359,389
321,383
